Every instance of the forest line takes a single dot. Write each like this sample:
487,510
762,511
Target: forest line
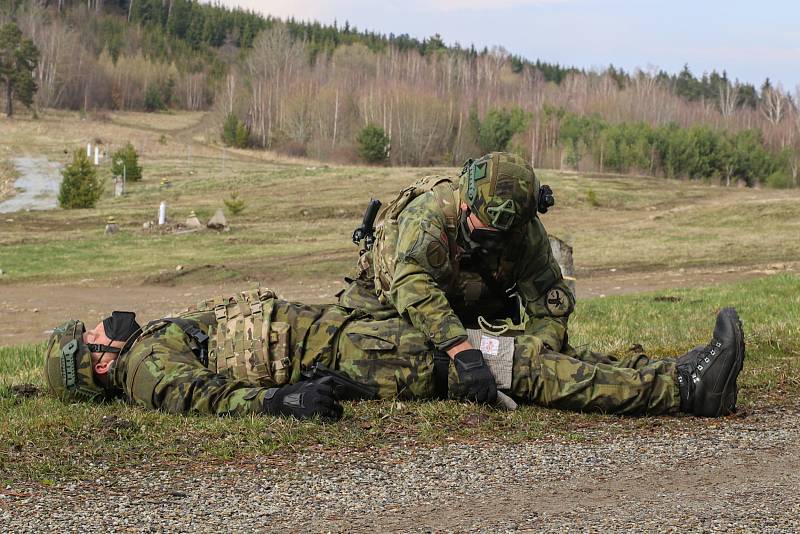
308,90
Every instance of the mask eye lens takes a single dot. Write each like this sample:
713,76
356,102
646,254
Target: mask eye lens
491,240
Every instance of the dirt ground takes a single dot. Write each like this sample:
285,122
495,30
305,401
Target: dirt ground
28,312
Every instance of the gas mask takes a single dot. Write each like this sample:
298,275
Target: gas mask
483,240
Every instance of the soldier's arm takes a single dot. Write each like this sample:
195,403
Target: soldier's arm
164,374
548,300
422,265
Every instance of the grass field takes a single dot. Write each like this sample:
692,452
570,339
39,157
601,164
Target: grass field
296,226
299,215
43,440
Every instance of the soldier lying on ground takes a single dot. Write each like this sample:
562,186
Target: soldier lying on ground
247,354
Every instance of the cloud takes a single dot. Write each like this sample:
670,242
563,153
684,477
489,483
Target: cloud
487,5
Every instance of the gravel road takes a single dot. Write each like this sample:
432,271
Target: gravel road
38,185
740,474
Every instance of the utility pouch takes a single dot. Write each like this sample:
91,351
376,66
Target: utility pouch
246,344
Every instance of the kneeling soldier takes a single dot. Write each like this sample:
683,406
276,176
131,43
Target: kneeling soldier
254,353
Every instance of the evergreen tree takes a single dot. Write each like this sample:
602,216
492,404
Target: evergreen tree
234,132
153,100
373,144
125,162
80,187
18,59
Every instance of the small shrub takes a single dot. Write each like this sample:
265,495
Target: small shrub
496,128
293,148
153,100
779,180
234,204
373,144
80,187
234,132
126,161
162,140
591,198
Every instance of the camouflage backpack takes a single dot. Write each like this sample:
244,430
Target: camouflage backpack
383,256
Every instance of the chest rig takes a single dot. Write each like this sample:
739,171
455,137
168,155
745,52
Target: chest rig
236,336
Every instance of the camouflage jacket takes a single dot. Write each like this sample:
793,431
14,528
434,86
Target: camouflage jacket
255,342
440,290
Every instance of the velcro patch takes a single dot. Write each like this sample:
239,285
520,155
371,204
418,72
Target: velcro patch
559,303
436,254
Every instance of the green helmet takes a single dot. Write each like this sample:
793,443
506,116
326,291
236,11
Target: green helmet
68,364
501,189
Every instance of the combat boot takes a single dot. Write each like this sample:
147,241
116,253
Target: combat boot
707,375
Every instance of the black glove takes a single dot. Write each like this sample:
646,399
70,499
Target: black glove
304,400
475,380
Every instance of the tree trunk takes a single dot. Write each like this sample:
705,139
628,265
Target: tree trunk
9,107
335,118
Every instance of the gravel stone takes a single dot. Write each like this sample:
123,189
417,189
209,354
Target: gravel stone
739,474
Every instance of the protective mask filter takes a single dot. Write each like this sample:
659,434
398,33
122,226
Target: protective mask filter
482,239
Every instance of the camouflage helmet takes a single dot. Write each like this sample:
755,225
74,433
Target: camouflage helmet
68,364
501,189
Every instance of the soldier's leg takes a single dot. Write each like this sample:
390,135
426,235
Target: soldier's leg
360,295
635,360
390,354
559,381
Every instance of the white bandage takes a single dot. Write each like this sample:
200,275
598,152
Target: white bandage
498,353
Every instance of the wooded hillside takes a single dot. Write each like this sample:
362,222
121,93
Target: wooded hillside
309,89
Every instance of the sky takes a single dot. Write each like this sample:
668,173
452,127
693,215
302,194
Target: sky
751,40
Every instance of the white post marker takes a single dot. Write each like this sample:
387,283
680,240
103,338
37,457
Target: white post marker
88,150
97,155
162,213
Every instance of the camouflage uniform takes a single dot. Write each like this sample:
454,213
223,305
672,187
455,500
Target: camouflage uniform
418,273
160,369
422,274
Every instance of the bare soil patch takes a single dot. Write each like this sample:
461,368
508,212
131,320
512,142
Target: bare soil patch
29,311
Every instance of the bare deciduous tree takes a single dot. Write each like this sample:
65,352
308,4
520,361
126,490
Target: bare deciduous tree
773,104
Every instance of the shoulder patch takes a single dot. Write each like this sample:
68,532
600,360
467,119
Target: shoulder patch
436,254
559,303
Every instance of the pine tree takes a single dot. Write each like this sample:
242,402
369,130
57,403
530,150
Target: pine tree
373,144
80,187
234,132
125,161
18,59
153,100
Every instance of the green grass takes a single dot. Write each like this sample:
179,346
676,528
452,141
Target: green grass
43,440
298,209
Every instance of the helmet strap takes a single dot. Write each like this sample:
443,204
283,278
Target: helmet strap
96,347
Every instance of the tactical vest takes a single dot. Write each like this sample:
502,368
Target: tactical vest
384,253
243,340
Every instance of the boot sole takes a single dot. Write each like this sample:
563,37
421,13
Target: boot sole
725,407
729,405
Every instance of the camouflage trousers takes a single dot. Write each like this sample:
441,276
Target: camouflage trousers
387,351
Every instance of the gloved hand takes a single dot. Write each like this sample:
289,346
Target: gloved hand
304,400
475,381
